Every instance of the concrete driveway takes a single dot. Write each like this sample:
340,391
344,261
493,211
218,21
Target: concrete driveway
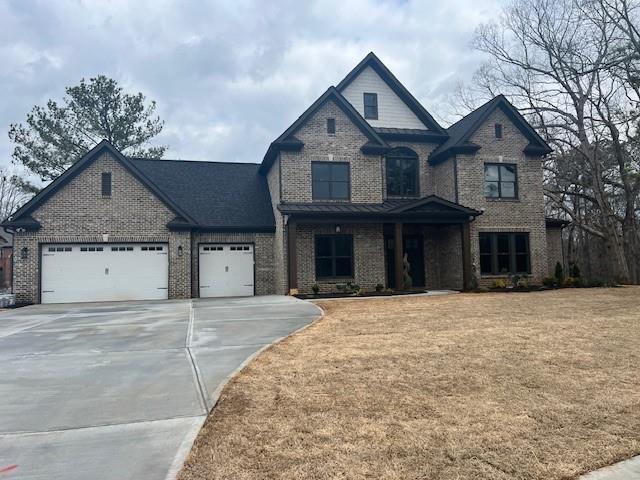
120,390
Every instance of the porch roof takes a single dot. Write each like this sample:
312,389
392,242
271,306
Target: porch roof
428,209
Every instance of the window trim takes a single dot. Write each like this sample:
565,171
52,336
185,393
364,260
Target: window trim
106,184
331,126
404,154
493,239
373,96
330,197
516,194
333,257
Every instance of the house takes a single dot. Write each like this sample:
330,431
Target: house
364,186
6,261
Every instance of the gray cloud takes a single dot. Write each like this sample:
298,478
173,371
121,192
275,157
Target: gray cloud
229,77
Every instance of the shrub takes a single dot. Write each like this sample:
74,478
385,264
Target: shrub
572,282
388,290
379,287
549,282
522,283
574,271
559,274
515,280
315,288
499,283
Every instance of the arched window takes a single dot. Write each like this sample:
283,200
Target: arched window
402,172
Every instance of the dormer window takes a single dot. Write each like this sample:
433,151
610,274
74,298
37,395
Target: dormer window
331,126
498,130
370,106
402,173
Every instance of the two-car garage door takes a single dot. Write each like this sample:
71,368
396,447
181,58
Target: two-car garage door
104,272
112,272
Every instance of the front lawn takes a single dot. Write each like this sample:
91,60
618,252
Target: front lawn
539,385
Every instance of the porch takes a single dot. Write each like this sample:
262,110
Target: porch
401,245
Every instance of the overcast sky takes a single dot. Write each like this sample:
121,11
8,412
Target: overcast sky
229,76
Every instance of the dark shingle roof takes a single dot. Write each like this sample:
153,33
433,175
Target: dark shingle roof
461,131
214,194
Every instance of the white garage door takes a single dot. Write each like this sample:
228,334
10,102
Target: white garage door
104,272
226,270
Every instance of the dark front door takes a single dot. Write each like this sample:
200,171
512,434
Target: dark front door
413,246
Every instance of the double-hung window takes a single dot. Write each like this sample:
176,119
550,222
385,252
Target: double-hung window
504,253
500,180
370,101
330,180
334,256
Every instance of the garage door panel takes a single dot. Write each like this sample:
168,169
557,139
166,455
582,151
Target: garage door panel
226,270
104,272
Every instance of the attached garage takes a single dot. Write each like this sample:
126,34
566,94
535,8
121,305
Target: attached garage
104,272
226,270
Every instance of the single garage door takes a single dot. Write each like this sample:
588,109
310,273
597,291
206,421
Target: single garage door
226,270
104,272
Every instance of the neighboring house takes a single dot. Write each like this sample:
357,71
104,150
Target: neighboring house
364,184
6,260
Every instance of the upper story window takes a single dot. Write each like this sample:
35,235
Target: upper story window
330,180
504,253
500,180
106,184
331,126
371,106
498,130
402,173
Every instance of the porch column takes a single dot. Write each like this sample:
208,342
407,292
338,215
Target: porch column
398,256
292,257
466,256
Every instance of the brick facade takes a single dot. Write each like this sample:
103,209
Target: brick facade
344,146
459,179
524,214
78,213
368,250
555,251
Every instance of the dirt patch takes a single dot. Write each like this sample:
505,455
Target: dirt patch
529,386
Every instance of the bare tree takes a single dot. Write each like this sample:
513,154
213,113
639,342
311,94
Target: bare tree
14,192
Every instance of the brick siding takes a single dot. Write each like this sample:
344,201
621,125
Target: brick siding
555,252
526,214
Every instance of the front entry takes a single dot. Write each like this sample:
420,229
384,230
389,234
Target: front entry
413,246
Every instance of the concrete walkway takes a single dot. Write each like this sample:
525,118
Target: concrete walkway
626,470
120,390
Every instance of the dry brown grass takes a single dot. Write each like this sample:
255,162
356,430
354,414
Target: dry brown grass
530,386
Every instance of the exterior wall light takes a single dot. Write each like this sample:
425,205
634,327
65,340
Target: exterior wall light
24,252
179,250
337,228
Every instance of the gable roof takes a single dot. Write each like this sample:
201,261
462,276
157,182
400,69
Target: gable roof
288,142
217,195
204,195
371,60
461,131
22,217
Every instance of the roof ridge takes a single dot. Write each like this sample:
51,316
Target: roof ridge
190,161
